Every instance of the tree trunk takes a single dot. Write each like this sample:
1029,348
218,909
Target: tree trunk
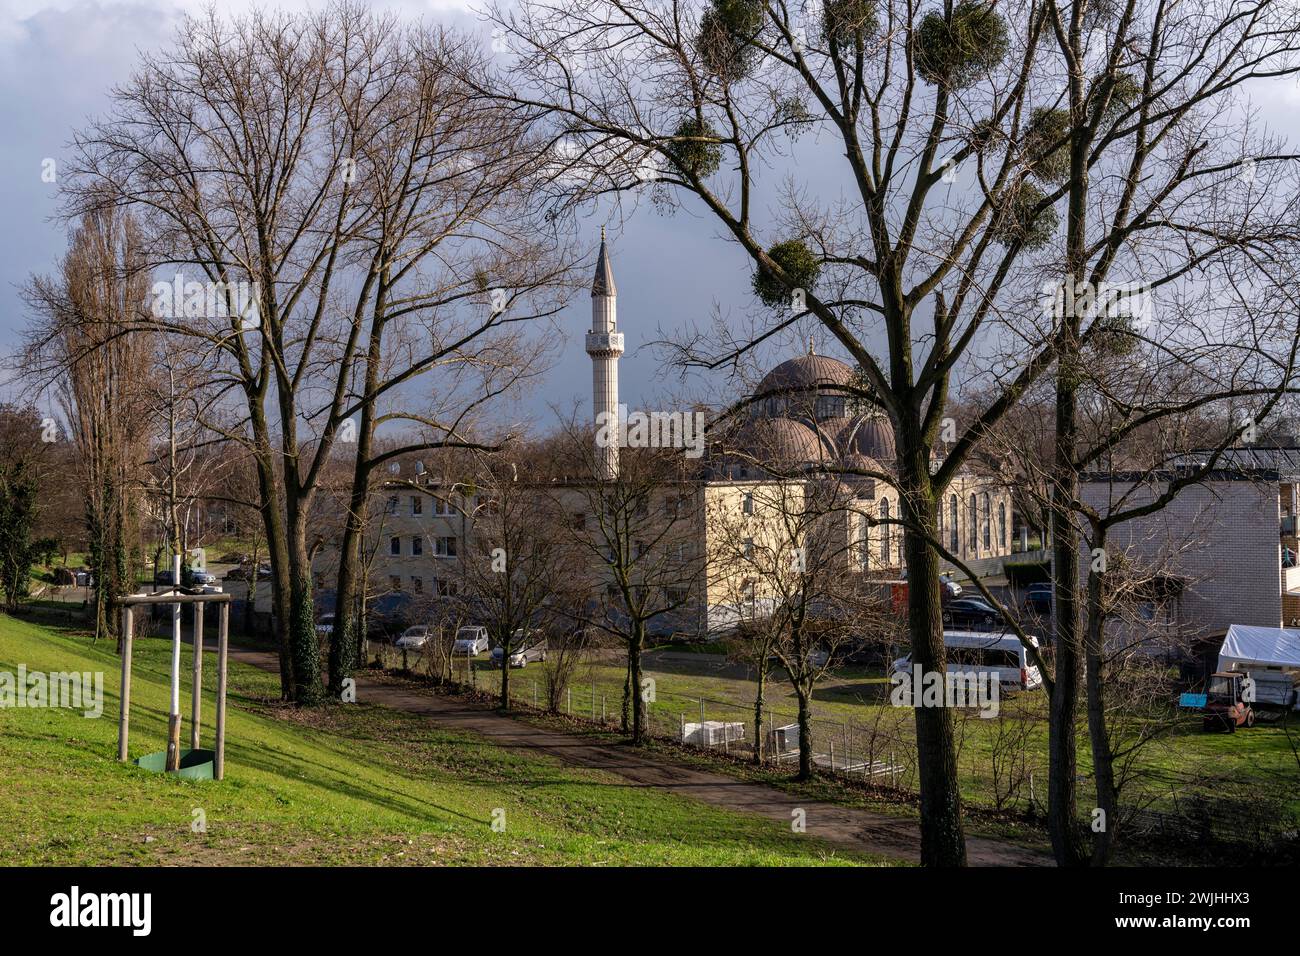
303,643
1064,705
1103,760
638,698
505,672
943,840
805,734
758,711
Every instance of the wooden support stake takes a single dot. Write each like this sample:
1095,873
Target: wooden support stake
196,691
124,719
219,763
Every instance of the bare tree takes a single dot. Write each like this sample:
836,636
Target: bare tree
517,569
695,103
294,163
637,536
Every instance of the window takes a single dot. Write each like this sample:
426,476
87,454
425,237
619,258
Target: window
747,506
444,547
678,595
390,507
1003,541
638,549
396,582
417,504
747,594
864,545
972,532
579,521
749,549
395,546
417,584
988,522
417,544
885,530
954,533
442,506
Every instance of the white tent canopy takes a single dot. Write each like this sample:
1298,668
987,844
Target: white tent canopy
1260,647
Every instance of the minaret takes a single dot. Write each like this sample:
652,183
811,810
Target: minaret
605,345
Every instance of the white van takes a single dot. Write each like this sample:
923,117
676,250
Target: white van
982,650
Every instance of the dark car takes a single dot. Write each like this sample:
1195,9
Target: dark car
1038,598
971,612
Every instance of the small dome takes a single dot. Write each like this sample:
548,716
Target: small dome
806,371
874,437
860,463
779,441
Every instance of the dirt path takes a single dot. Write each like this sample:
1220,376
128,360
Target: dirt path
848,827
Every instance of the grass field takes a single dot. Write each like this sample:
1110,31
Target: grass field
856,699
350,784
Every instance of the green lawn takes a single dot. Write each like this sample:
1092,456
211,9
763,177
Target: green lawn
855,700
350,784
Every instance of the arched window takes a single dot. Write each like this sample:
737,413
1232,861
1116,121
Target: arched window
988,522
884,530
864,544
954,536
1002,526
973,525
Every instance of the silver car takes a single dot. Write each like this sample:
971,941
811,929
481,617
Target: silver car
471,641
415,636
525,648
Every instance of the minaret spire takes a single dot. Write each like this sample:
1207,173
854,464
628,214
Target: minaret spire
605,345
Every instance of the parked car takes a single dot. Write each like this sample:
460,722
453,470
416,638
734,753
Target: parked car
164,578
245,573
525,647
202,578
1038,598
971,612
471,640
417,635
325,626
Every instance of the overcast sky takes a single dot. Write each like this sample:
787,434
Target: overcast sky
58,59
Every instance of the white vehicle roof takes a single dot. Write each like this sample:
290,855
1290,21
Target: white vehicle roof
985,639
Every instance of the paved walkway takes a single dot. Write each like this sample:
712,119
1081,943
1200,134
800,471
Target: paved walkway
849,827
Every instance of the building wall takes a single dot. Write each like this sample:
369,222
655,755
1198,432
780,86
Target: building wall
1221,536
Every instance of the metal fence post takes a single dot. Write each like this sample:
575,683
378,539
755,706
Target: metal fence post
196,691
